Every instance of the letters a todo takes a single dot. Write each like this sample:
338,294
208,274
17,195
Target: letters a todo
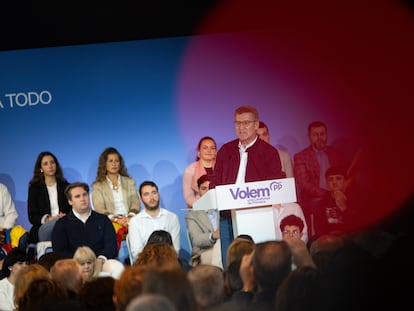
29,99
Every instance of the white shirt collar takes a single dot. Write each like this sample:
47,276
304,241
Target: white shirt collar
77,215
249,145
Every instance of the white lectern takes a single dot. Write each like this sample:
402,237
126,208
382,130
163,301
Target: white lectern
250,204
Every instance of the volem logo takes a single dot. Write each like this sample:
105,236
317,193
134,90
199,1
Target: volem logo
255,193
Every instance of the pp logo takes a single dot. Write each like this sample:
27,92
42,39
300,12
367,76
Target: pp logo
275,186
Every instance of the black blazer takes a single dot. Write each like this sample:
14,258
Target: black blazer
38,205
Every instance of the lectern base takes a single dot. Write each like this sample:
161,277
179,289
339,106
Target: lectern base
258,222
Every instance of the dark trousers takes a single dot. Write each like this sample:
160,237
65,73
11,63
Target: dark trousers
226,234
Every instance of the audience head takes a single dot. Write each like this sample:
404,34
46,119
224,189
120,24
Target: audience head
327,242
291,226
68,273
160,236
323,249
206,149
263,132
245,236
27,276
151,302
86,257
107,159
128,286
239,247
47,260
96,295
300,291
272,262
156,254
208,285
40,294
13,262
44,159
170,280
360,286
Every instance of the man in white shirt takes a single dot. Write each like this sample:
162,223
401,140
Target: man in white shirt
8,217
152,218
8,213
244,159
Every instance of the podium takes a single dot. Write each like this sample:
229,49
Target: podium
250,205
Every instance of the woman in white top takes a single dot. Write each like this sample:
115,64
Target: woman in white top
204,164
114,192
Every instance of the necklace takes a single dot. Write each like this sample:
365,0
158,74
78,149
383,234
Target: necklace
115,187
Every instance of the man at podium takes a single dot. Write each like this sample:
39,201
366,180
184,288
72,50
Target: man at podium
245,159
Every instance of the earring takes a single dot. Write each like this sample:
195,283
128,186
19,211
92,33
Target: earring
41,171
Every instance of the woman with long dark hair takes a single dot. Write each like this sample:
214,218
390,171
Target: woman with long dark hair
46,199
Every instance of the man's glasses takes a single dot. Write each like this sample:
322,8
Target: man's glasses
244,123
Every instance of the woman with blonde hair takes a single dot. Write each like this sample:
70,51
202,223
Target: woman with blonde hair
87,259
92,268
